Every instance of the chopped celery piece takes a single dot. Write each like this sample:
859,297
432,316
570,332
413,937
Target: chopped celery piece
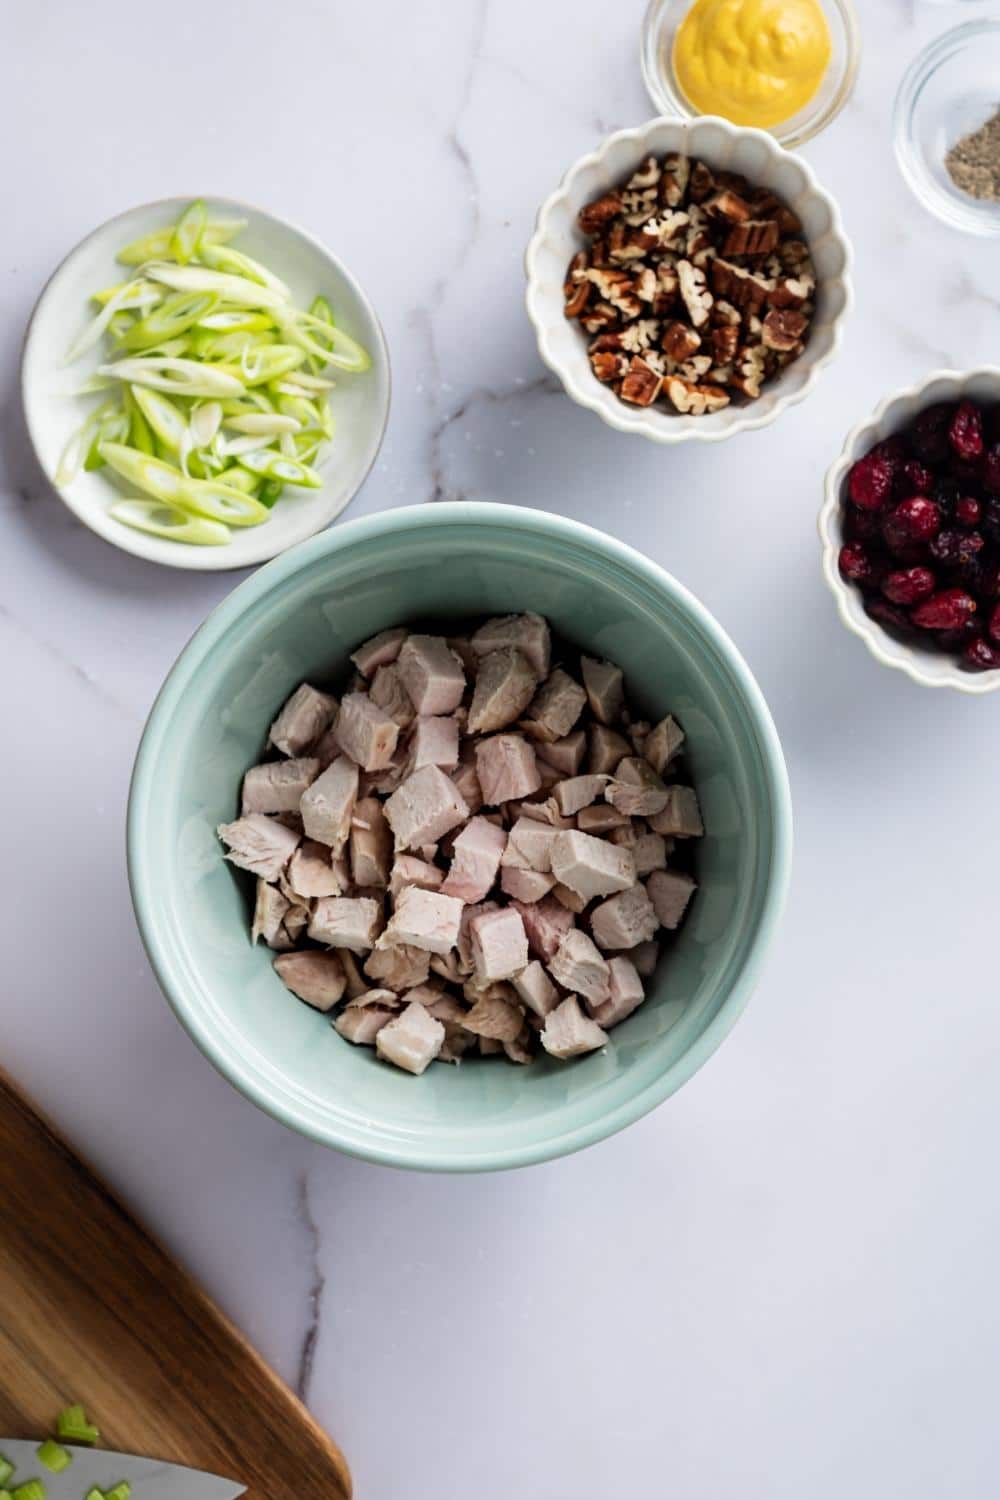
32,1489
169,521
54,1456
6,1469
276,466
186,238
94,1494
120,1491
174,315
205,497
178,377
72,1425
158,244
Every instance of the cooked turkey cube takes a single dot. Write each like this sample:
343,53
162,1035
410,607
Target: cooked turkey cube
601,818
625,995
316,978
529,845
525,885
670,891
536,989
607,749
303,721
434,742
624,920
590,866
570,899
578,966
555,708
635,789
505,765
411,1040
505,685
645,957
579,792
380,651
499,944
366,732
528,633
568,1032
311,872
424,808
424,919
662,743
388,693
466,778
432,674
352,922
362,1026
475,860
407,869
259,844
545,922
565,755
270,907
370,844
277,786
328,805
649,852
681,815
604,685
495,1018
398,965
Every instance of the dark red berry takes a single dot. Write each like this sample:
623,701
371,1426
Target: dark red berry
957,549
968,510
914,478
945,492
855,563
947,610
957,640
862,525
980,654
930,433
908,585
869,483
990,472
994,626
888,615
911,523
965,432
990,523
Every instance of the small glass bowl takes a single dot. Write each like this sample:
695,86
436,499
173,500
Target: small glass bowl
951,88
659,28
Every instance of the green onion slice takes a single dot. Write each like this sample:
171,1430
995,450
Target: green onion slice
205,497
179,377
186,238
174,315
169,521
124,298
277,466
225,258
238,290
157,245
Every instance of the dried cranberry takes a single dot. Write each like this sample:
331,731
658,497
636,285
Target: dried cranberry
930,433
955,641
856,564
991,520
914,478
957,549
991,469
945,493
910,523
862,525
994,626
947,610
888,615
869,483
979,653
968,510
965,432
908,585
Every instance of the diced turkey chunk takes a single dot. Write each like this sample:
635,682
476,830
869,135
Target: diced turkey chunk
505,765
277,786
432,674
376,996
505,685
578,792
303,721
536,989
670,891
546,812
662,743
499,943
371,844
389,694
366,732
529,845
601,818
412,1040
565,755
626,993
361,1025
352,922
570,899
424,919
646,956
607,748
399,966
681,816
466,778
475,860
636,789
434,742
317,978
379,651
624,920
590,866
424,808
528,633
451,1013
568,1032
407,870
328,805
545,922
578,966
555,708
525,885
259,844
269,911
650,853
495,1018
356,981
605,689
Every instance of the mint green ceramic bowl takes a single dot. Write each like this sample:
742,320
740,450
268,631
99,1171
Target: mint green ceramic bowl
299,617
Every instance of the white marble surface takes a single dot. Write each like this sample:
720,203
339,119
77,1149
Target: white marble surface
783,1283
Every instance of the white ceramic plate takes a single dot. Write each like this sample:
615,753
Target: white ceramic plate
923,664
360,403
557,238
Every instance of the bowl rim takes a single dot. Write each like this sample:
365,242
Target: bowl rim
154,926
904,657
666,430
177,554
956,212
667,97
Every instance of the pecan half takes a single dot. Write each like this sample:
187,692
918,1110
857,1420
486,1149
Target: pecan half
754,237
783,329
738,285
641,385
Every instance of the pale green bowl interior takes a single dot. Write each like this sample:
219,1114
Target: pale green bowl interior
298,618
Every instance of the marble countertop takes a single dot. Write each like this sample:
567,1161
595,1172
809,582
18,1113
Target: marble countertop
782,1283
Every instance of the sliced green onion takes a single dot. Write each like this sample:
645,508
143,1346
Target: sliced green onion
261,366
236,320
162,415
205,422
174,315
270,492
72,457
111,429
242,479
158,244
32,1489
139,432
186,238
122,299
237,447
263,423
179,377
94,1494
225,258
54,1456
6,1469
277,466
238,290
228,346
169,521
303,384
72,1425
206,497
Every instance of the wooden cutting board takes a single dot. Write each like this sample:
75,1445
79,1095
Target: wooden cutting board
93,1310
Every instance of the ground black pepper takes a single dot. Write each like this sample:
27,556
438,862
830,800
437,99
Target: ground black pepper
973,163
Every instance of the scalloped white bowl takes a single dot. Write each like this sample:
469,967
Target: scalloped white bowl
923,664
734,148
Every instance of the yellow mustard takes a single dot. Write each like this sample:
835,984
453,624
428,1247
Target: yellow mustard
755,62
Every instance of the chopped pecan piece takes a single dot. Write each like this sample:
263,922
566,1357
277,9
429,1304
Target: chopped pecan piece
695,369
598,319
794,256
645,284
639,206
697,298
641,385
754,237
724,313
640,334
667,287
750,371
577,297
605,342
595,216
725,340
646,174
694,399
679,341
666,233
792,291
738,285
608,366
702,183
676,174
729,205
783,329
625,245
